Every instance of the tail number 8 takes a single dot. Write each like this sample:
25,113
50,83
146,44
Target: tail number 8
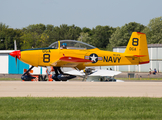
135,42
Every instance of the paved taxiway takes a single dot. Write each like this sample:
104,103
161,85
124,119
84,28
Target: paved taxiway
80,89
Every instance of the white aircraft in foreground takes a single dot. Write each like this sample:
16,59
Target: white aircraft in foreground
92,75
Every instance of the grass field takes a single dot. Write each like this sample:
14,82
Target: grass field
83,108
10,79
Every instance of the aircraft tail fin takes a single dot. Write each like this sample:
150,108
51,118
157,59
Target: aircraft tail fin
137,47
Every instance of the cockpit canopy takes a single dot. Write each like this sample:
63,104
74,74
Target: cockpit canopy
71,44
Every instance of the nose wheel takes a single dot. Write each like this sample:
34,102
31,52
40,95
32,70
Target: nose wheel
26,76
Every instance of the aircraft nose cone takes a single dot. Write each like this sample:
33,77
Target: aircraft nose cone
16,53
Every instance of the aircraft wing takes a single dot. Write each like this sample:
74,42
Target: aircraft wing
105,73
76,73
71,62
95,73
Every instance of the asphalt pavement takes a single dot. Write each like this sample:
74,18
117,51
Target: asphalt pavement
80,89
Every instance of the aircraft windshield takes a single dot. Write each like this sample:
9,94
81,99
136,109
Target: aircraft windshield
54,45
72,44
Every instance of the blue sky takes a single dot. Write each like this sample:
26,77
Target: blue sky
82,13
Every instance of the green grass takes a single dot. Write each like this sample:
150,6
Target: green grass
10,79
83,108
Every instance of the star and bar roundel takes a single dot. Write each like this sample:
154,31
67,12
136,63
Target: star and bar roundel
93,57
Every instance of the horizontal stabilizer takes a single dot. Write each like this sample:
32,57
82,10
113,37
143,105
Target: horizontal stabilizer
133,56
139,55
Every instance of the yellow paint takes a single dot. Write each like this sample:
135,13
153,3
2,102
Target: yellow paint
135,53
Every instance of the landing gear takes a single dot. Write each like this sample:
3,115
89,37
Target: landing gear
54,76
60,76
26,76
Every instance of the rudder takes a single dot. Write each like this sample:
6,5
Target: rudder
137,47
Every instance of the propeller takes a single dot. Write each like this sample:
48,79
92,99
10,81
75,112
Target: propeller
16,54
15,48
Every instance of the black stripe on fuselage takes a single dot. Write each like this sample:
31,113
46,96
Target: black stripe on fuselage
37,49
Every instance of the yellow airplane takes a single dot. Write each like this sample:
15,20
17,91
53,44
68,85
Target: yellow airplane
78,55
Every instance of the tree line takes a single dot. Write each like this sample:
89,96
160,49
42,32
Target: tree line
103,37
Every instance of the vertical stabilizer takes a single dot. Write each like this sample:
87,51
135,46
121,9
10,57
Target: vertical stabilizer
137,46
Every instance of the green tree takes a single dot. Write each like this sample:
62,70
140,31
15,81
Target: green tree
84,37
101,35
3,28
51,32
43,40
35,36
7,37
122,35
39,28
29,40
17,37
87,30
69,32
154,31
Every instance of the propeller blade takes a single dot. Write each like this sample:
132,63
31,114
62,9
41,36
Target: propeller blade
16,54
16,60
15,46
